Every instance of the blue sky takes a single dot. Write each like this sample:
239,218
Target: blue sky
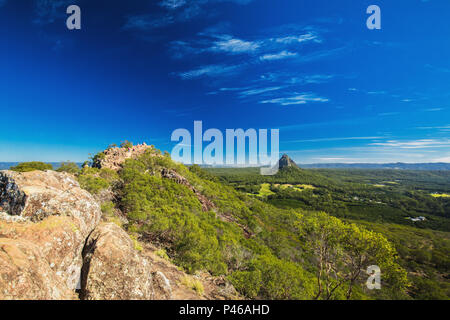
139,69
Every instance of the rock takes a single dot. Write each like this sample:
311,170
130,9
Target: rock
113,158
162,287
286,162
26,274
50,210
38,194
113,268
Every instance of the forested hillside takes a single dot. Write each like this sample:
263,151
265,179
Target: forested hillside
410,208
264,251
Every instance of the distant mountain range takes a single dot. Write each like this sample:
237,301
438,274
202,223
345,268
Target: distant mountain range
285,161
398,166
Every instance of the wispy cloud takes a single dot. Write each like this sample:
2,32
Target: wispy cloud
210,41
387,114
433,109
376,92
439,128
296,99
234,45
298,38
414,144
48,11
278,56
174,11
289,78
209,71
172,4
337,139
258,91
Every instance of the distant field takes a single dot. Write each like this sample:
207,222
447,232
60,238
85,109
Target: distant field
443,195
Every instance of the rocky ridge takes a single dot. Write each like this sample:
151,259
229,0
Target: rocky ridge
113,158
53,246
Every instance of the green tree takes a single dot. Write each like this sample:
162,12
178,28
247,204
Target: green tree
69,167
32,166
342,252
126,144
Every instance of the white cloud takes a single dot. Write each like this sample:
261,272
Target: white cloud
259,91
376,92
233,45
337,139
444,159
433,109
297,39
414,144
317,78
296,99
172,4
210,71
278,56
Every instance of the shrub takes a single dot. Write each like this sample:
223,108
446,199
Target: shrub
162,254
193,284
247,283
136,243
92,184
94,180
69,167
126,144
108,208
32,166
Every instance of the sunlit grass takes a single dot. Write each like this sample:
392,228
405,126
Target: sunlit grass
441,195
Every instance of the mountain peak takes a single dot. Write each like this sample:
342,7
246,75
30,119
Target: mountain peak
285,162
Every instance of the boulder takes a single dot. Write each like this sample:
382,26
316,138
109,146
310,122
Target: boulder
50,210
113,268
162,287
25,273
38,194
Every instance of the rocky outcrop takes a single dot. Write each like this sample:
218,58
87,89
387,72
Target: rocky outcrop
162,286
113,269
53,247
113,158
26,274
286,162
51,211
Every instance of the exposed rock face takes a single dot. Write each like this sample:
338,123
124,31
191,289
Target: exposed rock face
26,274
51,243
286,162
50,210
113,269
163,289
113,158
39,194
